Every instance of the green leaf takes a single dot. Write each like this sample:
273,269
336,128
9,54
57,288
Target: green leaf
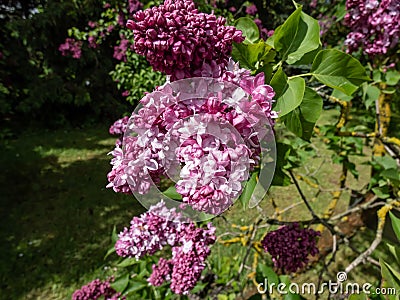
301,121
248,190
120,283
199,287
338,70
392,77
311,106
380,194
109,252
283,151
249,29
114,235
284,35
135,286
307,38
390,276
293,93
293,123
395,252
395,224
340,95
172,193
264,272
392,174
386,162
127,262
297,37
279,82
249,55
370,95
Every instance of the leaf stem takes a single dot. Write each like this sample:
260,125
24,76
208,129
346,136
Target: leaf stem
301,75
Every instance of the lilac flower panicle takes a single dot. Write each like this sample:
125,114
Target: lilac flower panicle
176,39
159,227
375,26
251,9
119,126
71,47
170,132
95,290
290,246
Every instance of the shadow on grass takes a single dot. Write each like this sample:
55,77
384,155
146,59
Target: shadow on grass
56,214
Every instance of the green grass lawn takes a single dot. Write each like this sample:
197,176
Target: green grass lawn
57,216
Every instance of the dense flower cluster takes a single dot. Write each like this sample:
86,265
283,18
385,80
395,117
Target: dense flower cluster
177,40
159,227
170,132
290,246
375,25
251,9
119,128
71,47
96,289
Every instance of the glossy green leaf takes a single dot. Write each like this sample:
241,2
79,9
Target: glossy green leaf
297,37
249,55
248,190
293,93
395,224
338,70
249,29
311,106
172,193
279,82
306,40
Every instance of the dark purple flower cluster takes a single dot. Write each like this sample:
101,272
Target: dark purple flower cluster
375,25
159,227
96,289
177,40
71,47
290,246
